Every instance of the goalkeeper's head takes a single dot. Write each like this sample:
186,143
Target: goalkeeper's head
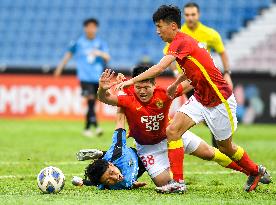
103,172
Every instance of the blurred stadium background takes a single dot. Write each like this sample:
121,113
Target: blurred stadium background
35,35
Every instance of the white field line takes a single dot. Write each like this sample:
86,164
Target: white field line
187,173
206,163
31,175
32,162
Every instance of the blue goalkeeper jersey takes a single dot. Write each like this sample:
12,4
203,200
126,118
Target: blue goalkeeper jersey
89,67
124,158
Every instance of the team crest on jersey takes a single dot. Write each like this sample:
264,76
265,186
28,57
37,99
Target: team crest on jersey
159,103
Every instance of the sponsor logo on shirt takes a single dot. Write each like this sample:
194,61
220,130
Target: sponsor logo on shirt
152,121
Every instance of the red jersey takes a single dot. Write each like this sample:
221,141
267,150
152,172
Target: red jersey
147,121
194,59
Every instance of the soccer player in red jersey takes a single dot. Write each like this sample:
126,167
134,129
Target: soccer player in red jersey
213,100
146,108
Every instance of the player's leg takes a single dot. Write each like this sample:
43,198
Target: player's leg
180,124
91,118
195,146
222,122
240,156
156,162
87,93
186,117
90,115
163,178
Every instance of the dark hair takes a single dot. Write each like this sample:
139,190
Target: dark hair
168,13
140,69
192,4
95,170
90,20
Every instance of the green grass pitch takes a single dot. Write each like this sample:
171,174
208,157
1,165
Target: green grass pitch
27,146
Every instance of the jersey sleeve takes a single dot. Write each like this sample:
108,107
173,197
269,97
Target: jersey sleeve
179,49
124,99
72,47
118,143
217,43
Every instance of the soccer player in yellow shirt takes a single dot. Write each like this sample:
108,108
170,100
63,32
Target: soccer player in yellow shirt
207,36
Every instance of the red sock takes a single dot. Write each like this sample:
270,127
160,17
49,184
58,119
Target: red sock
248,164
176,157
243,160
233,165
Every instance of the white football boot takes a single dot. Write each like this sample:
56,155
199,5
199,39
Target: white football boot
88,154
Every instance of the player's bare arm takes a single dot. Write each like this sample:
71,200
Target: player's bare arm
152,72
120,118
105,83
172,88
226,74
67,56
187,87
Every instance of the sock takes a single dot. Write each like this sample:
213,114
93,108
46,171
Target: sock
243,160
176,157
226,162
91,116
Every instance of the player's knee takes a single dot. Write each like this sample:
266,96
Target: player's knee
172,133
209,153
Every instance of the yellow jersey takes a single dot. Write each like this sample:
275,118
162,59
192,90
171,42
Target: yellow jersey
205,35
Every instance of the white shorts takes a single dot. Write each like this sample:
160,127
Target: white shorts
155,157
216,118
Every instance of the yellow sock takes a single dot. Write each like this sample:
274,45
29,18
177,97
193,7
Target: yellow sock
221,158
238,155
175,144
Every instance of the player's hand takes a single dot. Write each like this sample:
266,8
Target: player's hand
120,78
171,90
137,185
228,79
124,84
77,181
105,79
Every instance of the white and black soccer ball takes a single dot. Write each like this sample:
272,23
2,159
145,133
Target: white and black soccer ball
50,180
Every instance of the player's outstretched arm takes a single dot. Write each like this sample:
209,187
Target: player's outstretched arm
152,72
67,56
137,185
120,118
104,85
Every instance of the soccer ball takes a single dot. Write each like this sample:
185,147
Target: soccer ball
50,180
